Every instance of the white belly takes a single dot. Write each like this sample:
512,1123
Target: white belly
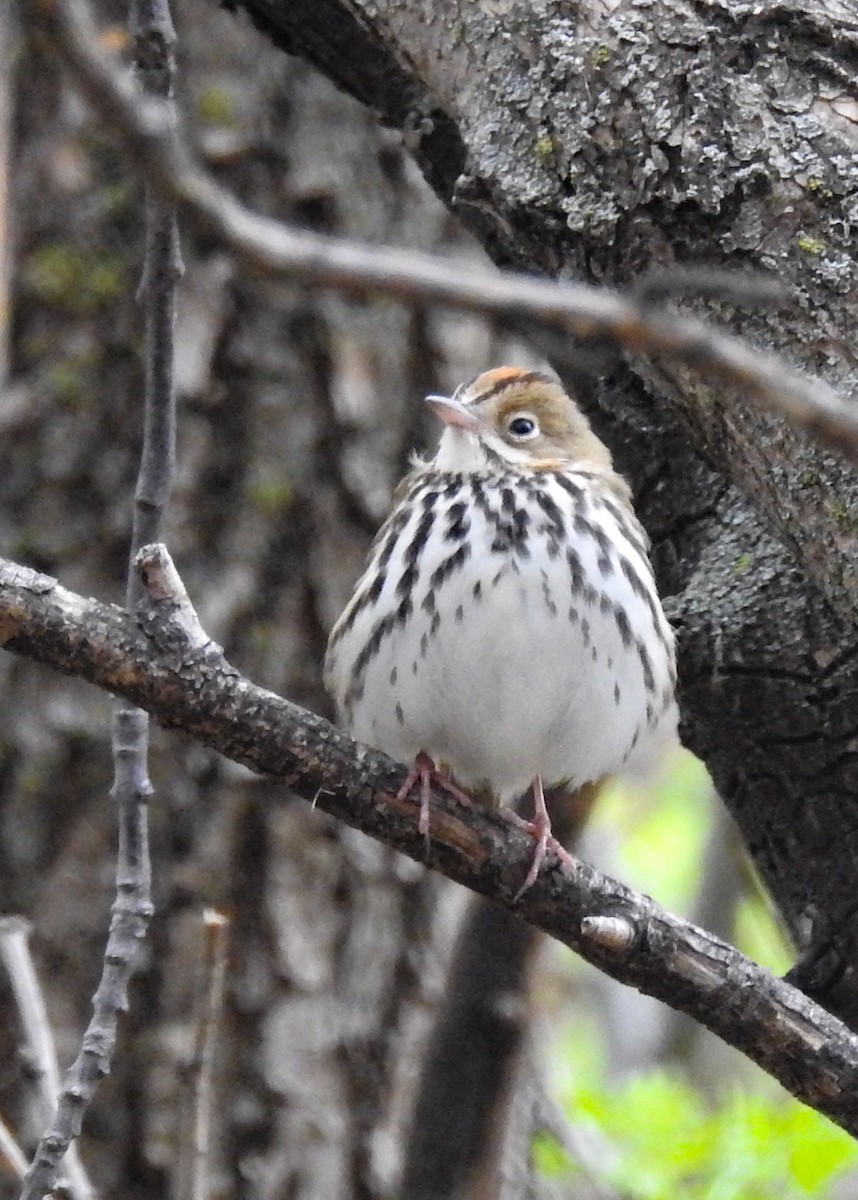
516,665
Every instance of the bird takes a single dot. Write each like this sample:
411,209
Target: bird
507,634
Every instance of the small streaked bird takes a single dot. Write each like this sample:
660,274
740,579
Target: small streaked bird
507,633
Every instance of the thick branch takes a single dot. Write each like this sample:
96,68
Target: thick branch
191,688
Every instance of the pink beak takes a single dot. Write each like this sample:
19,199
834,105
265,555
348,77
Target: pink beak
454,412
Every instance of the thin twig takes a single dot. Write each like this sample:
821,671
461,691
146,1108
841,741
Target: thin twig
12,1160
812,1053
30,1002
194,1143
152,141
41,1051
155,61
8,30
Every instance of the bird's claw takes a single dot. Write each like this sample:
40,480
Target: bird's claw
426,774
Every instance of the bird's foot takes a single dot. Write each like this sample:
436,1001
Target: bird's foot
427,774
539,827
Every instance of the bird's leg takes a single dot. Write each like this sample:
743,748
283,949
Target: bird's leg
539,827
426,773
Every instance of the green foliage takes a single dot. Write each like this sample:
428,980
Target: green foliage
672,1132
660,1138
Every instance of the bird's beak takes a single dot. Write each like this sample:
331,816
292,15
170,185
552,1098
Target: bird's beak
454,412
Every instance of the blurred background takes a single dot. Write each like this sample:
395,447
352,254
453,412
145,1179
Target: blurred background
297,413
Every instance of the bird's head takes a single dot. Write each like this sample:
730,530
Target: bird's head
513,416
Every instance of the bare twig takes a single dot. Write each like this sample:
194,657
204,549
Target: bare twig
154,46
194,1147
812,1053
30,1002
152,141
44,1068
8,29
12,1160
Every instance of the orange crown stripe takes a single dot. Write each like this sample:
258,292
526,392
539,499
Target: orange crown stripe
503,374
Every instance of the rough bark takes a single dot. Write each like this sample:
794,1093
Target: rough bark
597,142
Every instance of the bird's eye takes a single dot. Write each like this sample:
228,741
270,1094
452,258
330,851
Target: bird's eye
523,427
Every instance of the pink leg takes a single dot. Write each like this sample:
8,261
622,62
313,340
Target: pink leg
426,773
540,827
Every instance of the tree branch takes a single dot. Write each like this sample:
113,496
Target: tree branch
149,136
192,1182
30,1002
187,685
